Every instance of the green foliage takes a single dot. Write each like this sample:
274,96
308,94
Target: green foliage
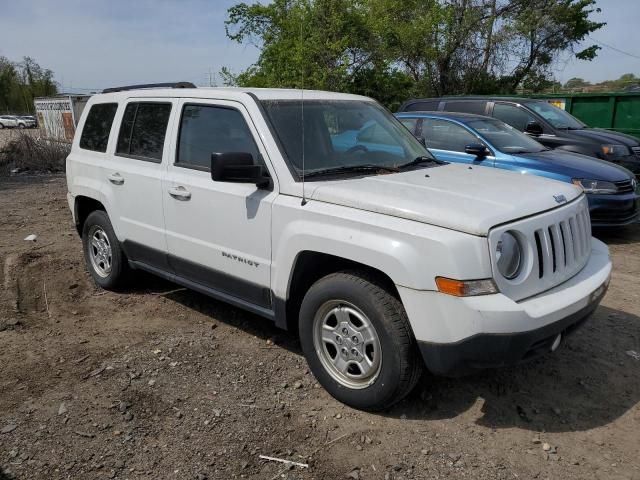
21,82
392,49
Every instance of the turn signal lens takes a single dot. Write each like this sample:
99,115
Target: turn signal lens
466,288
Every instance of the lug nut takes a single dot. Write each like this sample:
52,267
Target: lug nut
345,351
338,339
354,352
354,339
345,331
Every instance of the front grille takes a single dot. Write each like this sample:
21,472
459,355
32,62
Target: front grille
562,245
557,245
636,150
624,186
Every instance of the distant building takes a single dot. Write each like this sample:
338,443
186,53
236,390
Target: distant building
58,116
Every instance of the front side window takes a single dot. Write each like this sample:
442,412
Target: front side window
512,115
555,116
143,130
206,129
504,137
97,126
445,135
340,133
410,123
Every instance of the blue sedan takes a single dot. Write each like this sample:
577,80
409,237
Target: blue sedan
464,138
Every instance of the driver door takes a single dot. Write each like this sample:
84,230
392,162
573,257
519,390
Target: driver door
218,233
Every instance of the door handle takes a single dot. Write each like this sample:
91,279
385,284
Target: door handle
116,179
180,193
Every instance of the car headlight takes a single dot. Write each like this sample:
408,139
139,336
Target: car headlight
615,150
508,255
595,186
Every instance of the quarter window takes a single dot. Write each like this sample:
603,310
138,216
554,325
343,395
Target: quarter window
444,135
143,129
512,115
207,129
97,126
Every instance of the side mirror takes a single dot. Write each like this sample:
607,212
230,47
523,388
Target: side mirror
534,128
237,167
477,149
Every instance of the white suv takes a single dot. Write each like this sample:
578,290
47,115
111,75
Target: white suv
383,259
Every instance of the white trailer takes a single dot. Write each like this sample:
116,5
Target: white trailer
58,116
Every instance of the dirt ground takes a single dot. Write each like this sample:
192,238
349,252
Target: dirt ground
159,382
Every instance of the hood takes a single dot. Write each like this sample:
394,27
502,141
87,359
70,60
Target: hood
604,137
573,165
453,196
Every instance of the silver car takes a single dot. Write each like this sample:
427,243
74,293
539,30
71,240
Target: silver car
8,121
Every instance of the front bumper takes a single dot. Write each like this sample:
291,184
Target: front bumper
459,335
614,210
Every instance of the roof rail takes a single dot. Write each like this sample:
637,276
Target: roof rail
150,85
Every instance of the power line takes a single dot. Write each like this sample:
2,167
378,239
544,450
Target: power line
614,48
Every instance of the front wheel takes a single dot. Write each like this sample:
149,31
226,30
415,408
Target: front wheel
358,342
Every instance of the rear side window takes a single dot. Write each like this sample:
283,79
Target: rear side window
477,107
208,129
97,126
427,106
517,117
143,129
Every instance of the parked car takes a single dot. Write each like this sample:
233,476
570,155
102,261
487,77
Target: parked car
373,253
8,121
473,139
28,121
549,125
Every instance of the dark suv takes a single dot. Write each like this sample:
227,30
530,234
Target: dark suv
551,126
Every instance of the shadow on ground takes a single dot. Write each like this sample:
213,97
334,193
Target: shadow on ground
589,382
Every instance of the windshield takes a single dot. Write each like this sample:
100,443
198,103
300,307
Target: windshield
341,133
556,116
504,137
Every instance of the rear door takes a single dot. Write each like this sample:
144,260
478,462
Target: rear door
134,171
447,141
218,233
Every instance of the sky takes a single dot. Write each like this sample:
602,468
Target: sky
92,44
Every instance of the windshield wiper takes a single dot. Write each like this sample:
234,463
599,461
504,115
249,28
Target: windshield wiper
350,169
419,161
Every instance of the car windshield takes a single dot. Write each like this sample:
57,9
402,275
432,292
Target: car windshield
342,134
556,116
504,137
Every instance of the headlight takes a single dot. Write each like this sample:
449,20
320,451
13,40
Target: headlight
508,255
615,150
595,186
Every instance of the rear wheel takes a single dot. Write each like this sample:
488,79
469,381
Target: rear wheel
358,342
104,257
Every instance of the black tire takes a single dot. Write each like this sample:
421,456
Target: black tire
119,271
401,364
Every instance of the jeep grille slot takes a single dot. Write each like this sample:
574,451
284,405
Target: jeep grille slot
559,245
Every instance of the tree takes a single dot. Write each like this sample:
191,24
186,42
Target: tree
576,83
432,47
21,82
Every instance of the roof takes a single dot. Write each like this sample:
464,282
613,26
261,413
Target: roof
472,97
230,93
462,117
